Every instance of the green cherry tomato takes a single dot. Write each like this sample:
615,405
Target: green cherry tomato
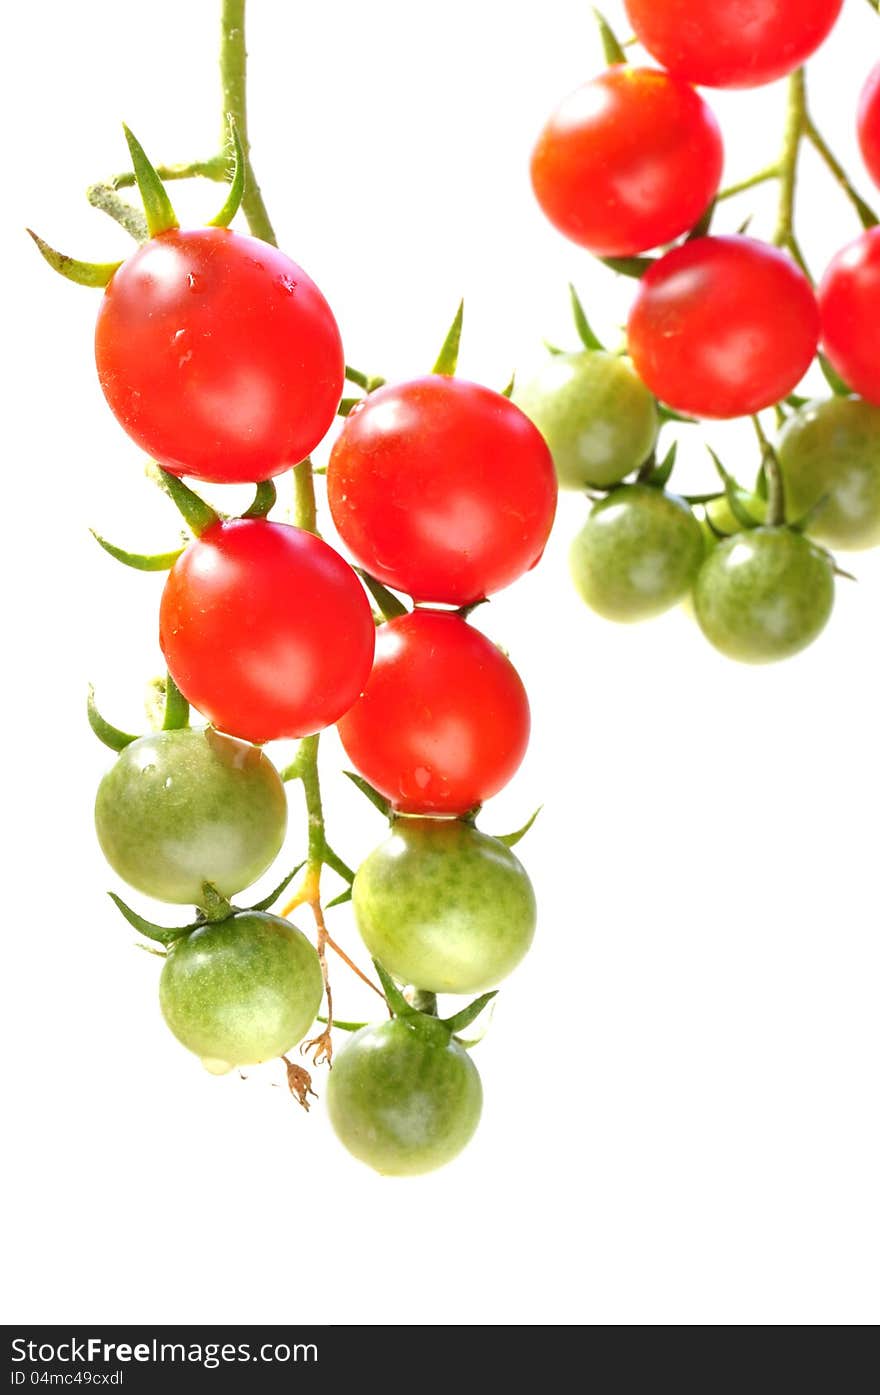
637,554
444,907
596,415
404,1097
181,808
764,595
831,451
241,991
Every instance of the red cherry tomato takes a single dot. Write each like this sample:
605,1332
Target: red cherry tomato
628,161
218,355
266,630
869,124
444,720
732,43
442,489
849,302
723,326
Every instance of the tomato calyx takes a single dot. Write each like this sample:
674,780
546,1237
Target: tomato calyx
447,359
427,1022
611,45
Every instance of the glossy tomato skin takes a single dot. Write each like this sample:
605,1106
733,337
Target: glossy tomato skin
732,43
830,451
404,1099
764,595
266,630
444,907
218,355
849,302
637,554
242,990
181,808
442,489
629,161
723,327
868,124
443,722
596,415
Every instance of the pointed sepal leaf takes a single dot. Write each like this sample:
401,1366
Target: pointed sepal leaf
264,501
669,414
142,562
511,384
162,934
470,1013
833,378
447,360
96,274
176,714
510,840
733,493
343,1026
339,900
806,521
376,799
611,45
660,475
553,349
236,183
393,996
213,905
390,606
628,266
701,228
586,334
196,514
277,892
111,736
158,208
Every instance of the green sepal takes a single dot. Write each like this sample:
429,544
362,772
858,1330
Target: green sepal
196,514
611,46
669,414
347,406
628,266
354,375
157,205
393,996
804,523
264,502
709,498
390,606
553,349
701,228
142,562
447,359
833,378
510,840
376,799
160,933
96,274
660,474
585,330
465,610
343,1026
214,906
731,490
111,736
470,1013
511,384
339,900
794,399
236,183
176,714
744,226
268,902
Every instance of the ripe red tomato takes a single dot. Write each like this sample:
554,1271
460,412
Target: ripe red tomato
723,326
849,302
444,720
442,489
869,124
628,161
218,355
266,630
732,43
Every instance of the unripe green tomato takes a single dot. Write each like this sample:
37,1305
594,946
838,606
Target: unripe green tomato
241,990
831,450
723,517
181,808
637,554
764,595
444,907
404,1097
596,415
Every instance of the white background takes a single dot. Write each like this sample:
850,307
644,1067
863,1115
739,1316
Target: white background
681,1083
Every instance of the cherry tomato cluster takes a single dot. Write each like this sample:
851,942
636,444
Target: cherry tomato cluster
221,358
721,326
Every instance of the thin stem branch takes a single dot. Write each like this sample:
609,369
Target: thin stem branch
131,219
233,79
866,214
795,128
216,168
763,176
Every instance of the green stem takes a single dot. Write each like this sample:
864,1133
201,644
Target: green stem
762,177
305,505
775,484
867,216
233,78
216,168
795,129
105,198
